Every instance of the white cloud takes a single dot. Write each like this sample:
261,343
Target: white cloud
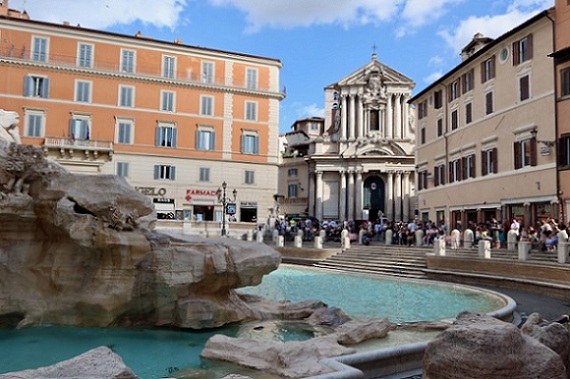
417,13
493,26
433,77
104,13
302,13
312,110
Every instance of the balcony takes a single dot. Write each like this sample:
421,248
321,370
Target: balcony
63,148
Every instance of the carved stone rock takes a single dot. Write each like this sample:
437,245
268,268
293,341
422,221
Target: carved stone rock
479,346
99,363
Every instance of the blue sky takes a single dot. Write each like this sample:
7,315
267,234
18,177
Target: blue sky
318,41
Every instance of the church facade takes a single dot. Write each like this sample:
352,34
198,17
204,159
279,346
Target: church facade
362,167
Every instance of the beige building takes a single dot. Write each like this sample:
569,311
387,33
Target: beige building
360,165
175,120
486,132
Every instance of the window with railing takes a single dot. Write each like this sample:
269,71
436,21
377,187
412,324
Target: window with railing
128,60
85,55
39,49
251,78
168,66
207,72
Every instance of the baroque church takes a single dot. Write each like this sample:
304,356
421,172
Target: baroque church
360,166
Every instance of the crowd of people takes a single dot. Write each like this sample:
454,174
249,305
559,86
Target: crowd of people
544,236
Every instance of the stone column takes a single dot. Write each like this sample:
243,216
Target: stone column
390,196
407,196
389,118
342,199
360,118
350,215
358,195
398,196
343,117
312,195
405,125
319,195
398,116
352,122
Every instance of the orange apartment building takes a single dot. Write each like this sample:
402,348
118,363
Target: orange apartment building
175,120
561,57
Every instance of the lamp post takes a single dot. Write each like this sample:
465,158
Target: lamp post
226,201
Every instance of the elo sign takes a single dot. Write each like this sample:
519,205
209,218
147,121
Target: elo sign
231,209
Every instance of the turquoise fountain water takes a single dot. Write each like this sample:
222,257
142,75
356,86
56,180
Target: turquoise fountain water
156,354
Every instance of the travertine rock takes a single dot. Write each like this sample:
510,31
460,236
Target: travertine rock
294,359
81,250
479,346
99,363
554,335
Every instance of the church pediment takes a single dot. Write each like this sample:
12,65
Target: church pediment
361,77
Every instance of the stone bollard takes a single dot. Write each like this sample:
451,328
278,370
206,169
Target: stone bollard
468,238
300,233
259,236
361,234
524,250
318,242
249,236
484,249
275,236
562,251
512,240
323,234
455,239
280,241
439,247
419,237
562,235
299,240
344,240
388,238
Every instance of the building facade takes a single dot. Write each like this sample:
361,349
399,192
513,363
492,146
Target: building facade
361,166
561,57
486,132
175,120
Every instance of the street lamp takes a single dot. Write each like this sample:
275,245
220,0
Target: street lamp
226,203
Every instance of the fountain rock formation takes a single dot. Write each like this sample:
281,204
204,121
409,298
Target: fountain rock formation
479,346
81,250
